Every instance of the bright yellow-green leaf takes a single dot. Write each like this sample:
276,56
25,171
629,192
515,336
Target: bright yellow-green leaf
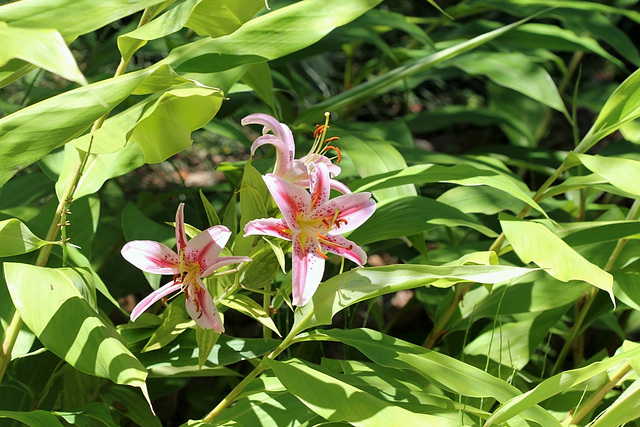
44,48
533,242
17,239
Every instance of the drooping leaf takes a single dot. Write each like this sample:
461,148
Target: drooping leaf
336,400
411,215
18,239
556,385
68,326
249,307
362,284
459,174
533,242
43,48
442,370
515,71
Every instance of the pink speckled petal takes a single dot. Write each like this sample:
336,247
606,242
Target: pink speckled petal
353,210
292,200
268,227
283,156
181,237
345,248
284,144
154,296
340,187
307,269
319,185
205,248
222,261
201,307
152,257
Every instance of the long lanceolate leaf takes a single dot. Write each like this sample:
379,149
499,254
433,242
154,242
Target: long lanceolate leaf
377,85
558,384
438,368
53,304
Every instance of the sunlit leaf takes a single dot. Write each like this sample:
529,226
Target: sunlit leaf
533,242
18,239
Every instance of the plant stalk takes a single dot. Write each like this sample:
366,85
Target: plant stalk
459,292
596,398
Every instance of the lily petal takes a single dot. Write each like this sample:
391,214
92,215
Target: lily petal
268,227
307,269
222,261
345,248
154,296
181,237
353,209
319,185
283,156
206,246
201,307
152,257
292,200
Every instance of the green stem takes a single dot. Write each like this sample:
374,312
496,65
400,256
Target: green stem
460,291
596,397
43,256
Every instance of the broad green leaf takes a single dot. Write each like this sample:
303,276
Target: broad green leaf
249,307
267,408
98,169
165,128
533,242
25,140
377,85
556,385
484,200
362,284
18,239
264,265
182,356
206,339
600,231
288,30
449,115
33,418
619,172
626,288
336,400
175,320
130,404
440,369
373,155
515,71
92,414
44,48
63,14
258,76
411,215
622,107
56,311
624,409
212,215
215,18
255,202
459,174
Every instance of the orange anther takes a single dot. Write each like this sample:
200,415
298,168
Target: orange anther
341,221
319,130
321,253
337,151
333,138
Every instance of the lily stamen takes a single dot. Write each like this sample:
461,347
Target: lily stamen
322,254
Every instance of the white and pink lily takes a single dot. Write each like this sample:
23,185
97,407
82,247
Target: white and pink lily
314,224
195,259
287,166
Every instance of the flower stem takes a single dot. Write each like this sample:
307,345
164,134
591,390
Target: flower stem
459,292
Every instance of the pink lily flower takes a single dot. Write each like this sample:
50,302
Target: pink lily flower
295,170
195,259
314,224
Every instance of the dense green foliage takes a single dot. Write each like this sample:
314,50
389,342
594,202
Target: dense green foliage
498,138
